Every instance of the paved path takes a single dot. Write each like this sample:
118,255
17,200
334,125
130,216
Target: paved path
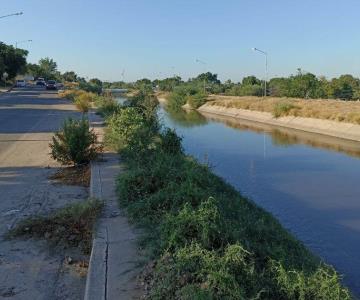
28,269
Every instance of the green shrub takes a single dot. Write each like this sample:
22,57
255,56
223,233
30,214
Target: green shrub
177,98
127,130
181,95
193,270
90,87
106,105
197,100
170,142
133,129
203,225
282,108
75,143
321,284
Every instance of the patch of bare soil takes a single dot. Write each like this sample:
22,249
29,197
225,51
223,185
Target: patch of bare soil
79,175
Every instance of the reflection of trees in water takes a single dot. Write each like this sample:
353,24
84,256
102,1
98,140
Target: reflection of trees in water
287,137
186,118
283,139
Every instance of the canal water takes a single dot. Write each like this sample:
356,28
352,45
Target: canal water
310,183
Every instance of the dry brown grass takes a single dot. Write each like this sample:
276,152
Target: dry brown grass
162,94
336,110
70,226
79,175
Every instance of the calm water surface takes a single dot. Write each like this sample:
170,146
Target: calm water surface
309,182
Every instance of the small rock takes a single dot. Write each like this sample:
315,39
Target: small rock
69,260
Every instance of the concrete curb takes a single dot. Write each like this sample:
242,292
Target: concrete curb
113,264
6,91
96,276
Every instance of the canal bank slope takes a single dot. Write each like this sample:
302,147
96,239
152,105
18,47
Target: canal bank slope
326,127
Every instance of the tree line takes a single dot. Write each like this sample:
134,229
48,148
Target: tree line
301,85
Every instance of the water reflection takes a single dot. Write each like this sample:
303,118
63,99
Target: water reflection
287,137
185,118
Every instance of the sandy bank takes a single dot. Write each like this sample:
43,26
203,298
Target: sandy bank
326,127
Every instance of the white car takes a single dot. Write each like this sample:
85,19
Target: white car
20,83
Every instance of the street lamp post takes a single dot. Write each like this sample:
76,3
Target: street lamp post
10,15
204,64
266,65
19,42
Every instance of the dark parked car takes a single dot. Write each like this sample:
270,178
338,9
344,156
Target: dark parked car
51,85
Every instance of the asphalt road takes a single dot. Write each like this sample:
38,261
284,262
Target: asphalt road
28,268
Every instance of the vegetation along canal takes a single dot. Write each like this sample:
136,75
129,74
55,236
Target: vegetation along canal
309,183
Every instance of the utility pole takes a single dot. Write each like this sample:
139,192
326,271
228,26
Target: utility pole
204,64
266,67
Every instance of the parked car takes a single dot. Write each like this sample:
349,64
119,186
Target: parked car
40,82
51,85
59,85
20,83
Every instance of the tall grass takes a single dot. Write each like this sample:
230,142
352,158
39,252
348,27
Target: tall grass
208,241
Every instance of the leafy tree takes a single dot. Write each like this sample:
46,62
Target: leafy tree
208,77
279,87
69,76
34,70
12,61
168,84
48,68
303,85
345,87
251,80
96,81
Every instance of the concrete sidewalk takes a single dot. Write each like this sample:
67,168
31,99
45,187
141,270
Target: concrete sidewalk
114,260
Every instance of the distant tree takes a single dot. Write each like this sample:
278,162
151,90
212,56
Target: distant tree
279,87
96,81
208,77
69,76
143,81
12,61
168,84
305,86
251,90
345,87
48,68
251,80
34,70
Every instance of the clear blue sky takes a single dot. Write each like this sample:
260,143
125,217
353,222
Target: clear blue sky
101,38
